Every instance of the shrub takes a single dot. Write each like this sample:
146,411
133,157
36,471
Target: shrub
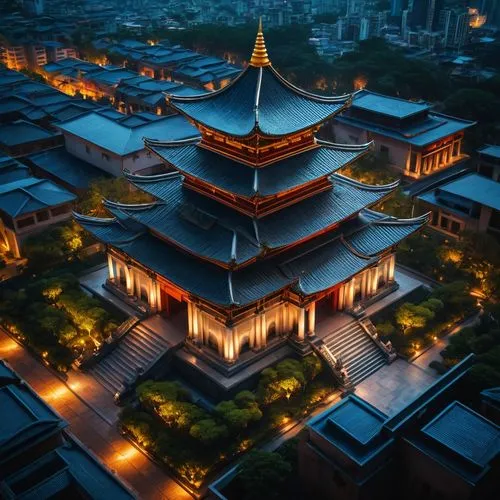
208,431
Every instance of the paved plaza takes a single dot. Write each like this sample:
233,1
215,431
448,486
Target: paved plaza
394,386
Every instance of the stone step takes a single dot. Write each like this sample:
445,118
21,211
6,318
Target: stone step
360,376
108,375
359,352
120,371
363,360
137,351
356,345
147,346
140,353
147,333
128,359
335,341
110,386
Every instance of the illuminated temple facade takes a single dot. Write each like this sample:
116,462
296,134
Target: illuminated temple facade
255,224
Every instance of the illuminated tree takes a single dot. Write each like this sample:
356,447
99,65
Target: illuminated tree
208,431
311,367
153,394
180,414
413,316
385,329
238,418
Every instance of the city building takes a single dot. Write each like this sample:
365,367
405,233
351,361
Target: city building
28,205
415,140
253,228
21,137
174,63
435,447
114,142
142,93
489,162
39,457
471,202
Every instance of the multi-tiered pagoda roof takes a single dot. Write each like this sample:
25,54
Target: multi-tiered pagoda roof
257,203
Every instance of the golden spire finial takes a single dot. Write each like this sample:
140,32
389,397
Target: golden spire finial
259,55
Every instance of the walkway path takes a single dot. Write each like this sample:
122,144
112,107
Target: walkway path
149,480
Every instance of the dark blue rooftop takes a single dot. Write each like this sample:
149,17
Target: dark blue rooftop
28,195
66,167
193,160
319,265
490,150
259,100
182,217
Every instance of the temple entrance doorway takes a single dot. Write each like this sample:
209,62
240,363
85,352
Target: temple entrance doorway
328,305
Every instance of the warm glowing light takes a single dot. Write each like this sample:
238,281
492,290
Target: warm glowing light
44,354
128,454
58,393
360,82
74,386
9,346
476,20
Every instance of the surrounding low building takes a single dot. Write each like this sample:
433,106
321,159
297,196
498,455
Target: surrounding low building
21,138
435,447
414,140
142,93
469,203
174,63
28,205
116,145
65,169
489,162
39,457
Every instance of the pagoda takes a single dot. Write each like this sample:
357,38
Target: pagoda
254,225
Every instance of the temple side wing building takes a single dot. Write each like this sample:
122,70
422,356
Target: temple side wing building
256,224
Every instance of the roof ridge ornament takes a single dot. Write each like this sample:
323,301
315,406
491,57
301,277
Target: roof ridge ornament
259,57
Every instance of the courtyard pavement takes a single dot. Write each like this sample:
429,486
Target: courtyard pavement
394,386
102,438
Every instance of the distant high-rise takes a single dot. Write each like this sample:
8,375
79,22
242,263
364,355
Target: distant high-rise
33,7
397,7
425,14
491,9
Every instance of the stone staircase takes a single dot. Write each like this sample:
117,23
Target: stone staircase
136,353
359,354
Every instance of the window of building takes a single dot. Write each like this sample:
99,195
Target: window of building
42,216
384,150
26,222
63,209
413,161
88,150
135,157
456,148
450,225
105,156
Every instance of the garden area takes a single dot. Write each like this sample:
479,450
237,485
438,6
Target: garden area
56,318
482,339
196,441
267,475
424,317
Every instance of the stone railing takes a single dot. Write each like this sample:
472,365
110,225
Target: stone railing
335,364
110,345
385,347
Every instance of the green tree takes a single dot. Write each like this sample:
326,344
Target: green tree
311,367
208,431
180,414
263,475
153,394
412,316
238,418
385,329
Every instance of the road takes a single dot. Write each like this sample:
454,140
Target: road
101,437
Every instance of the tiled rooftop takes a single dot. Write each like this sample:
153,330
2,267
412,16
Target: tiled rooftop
465,433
